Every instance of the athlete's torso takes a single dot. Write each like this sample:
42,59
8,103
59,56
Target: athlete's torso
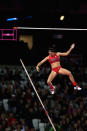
54,60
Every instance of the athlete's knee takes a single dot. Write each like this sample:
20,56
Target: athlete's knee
70,73
48,82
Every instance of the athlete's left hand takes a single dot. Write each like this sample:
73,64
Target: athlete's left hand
37,68
73,45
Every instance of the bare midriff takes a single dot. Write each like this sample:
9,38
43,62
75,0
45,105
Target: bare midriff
55,64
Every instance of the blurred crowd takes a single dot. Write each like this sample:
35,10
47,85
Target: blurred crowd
19,105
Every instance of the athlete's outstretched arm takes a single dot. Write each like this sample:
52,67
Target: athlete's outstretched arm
67,52
41,62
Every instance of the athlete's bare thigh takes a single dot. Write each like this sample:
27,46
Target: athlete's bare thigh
64,71
52,76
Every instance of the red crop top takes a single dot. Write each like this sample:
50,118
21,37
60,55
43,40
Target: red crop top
53,59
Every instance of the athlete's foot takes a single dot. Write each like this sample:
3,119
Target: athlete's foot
53,90
77,88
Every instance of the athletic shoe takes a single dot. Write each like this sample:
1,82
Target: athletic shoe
53,91
77,88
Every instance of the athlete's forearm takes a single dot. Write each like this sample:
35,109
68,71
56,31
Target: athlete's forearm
68,52
39,64
44,60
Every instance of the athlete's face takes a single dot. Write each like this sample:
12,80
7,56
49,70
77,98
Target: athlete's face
51,53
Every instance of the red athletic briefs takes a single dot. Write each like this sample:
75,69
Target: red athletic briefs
56,69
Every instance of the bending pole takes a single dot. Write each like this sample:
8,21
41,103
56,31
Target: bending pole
37,95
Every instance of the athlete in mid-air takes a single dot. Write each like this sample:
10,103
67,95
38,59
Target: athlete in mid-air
54,60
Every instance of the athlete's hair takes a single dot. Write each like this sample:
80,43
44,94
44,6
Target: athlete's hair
52,48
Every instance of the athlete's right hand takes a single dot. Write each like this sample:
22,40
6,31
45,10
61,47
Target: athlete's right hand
37,68
72,46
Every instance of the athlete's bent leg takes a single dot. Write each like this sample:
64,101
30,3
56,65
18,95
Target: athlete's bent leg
50,78
68,73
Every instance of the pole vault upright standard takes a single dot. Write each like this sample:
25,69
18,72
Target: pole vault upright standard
37,95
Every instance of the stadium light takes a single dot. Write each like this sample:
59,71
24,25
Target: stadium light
62,17
12,19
